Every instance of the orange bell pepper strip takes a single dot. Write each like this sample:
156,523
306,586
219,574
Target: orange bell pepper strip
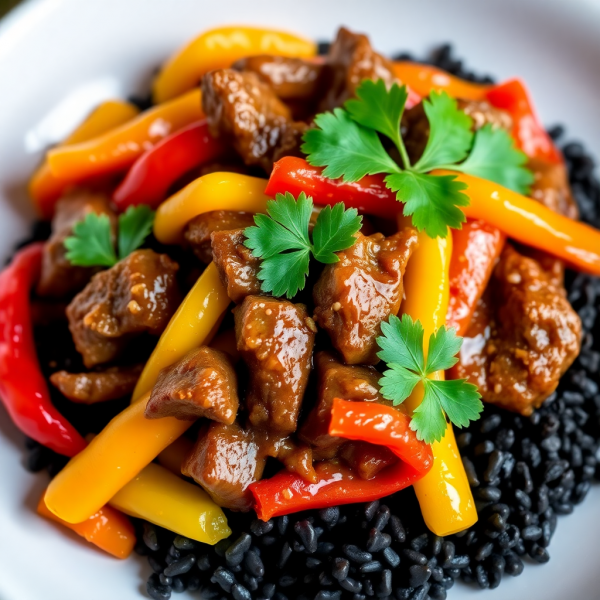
118,149
108,529
44,188
220,48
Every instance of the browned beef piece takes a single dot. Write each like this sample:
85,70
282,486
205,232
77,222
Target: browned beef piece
225,461
275,338
59,278
202,384
240,107
523,337
139,294
353,296
367,460
198,230
237,267
97,386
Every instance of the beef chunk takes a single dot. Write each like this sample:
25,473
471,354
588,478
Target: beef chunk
367,460
237,267
225,461
100,386
551,187
198,230
139,294
275,338
59,278
353,296
202,384
523,337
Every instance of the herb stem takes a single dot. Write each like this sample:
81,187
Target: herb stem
403,153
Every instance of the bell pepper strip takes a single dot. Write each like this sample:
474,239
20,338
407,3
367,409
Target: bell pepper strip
528,133
119,148
287,492
476,248
216,191
44,188
23,388
188,328
151,176
108,529
172,457
220,48
163,498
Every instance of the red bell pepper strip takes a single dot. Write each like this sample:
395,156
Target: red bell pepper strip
475,249
23,389
151,176
287,492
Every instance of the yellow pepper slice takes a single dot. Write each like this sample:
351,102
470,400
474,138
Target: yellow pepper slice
216,191
44,188
117,149
220,48
444,494
159,496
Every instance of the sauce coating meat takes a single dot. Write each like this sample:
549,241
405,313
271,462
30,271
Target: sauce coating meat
551,187
202,384
275,338
139,294
353,296
523,337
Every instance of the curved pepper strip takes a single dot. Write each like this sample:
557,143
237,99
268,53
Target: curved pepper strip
219,49
216,191
44,188
23,388
151,176
108,529
119,148
287,492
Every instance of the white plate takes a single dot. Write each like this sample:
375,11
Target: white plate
58,58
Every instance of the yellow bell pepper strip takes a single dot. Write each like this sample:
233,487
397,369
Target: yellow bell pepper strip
118,149
189,327
44,188
163,498
108,529
216,191
220,48
444,494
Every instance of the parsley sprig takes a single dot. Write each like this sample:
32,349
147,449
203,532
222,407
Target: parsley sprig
91,244
281,240
402,349
347,143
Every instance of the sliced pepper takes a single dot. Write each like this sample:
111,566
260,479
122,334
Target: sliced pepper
44,188
119,148
220,48
108,529
23,388
151,176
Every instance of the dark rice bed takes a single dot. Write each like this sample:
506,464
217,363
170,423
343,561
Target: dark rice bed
525,472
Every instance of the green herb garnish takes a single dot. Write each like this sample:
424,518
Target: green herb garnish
281,240
91,244
347,143
402,349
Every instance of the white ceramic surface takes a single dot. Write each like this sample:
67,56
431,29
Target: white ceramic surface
58,58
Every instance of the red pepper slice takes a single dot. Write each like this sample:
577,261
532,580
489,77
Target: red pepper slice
287,492
23,389
151,176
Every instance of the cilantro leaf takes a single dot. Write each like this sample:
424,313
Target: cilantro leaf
91,244
334,230
135,225
432,200
398,383
494,156
402,342
345,148
285,274
428,419
450,135
444,344
459,399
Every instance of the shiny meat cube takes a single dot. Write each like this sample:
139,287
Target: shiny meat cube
367,460
58,277
551,187
275,338
139,294
237,267
353,296
225,460
202,384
